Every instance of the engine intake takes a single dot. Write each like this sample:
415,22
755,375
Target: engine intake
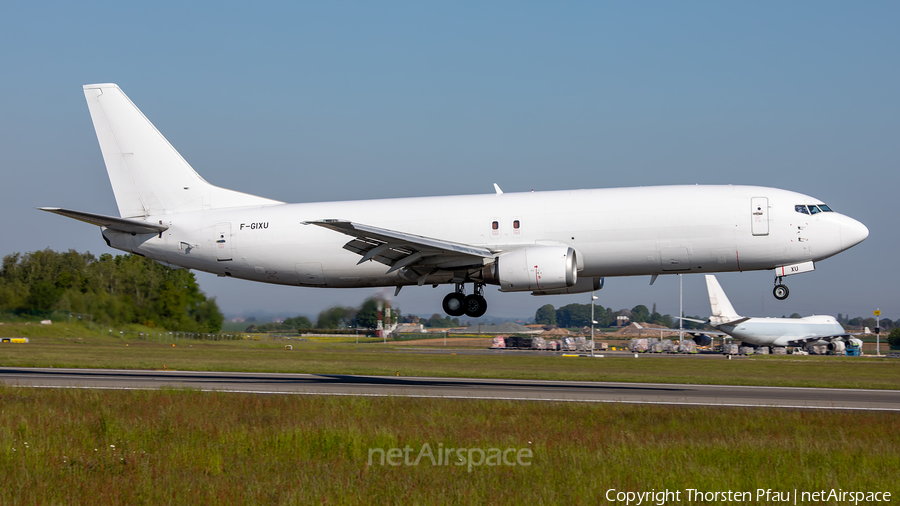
537,268
702,340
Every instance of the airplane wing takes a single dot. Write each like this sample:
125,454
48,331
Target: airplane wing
399,249
695,332
807,340
112,222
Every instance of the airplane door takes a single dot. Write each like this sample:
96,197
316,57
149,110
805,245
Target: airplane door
759,215
223,242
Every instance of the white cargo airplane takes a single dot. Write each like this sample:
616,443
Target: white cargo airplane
546,243
764,331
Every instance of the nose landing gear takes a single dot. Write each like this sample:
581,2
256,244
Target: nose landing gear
780,291
458,303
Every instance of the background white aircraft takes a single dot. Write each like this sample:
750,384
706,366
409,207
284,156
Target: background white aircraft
764,331
542,242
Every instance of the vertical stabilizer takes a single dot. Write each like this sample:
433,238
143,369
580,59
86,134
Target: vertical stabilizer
148,176
718,302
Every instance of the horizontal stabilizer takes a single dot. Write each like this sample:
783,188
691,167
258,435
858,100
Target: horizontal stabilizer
732,323
110,222
692,320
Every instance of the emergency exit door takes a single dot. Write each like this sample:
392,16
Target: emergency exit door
759,215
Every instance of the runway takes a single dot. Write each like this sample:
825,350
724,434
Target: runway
460,388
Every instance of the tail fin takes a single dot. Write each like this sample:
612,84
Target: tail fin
148,176
718,302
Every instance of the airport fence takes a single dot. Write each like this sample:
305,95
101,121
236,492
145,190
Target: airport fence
174,337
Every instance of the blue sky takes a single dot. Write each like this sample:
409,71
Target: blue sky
357,100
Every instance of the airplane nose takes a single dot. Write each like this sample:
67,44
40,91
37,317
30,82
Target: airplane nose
852,233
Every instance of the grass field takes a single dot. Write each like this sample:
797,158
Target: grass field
55,346
60,446
188,447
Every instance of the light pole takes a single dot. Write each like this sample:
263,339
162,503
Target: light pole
877,332
593,322
680,311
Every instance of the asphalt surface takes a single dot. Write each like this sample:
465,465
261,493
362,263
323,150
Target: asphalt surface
460,388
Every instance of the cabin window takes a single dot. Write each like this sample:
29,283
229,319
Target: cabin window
801,209
495,225
516,224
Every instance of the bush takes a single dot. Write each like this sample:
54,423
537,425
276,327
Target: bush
894,337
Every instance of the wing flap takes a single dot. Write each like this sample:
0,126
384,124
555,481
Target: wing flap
112,222
400,249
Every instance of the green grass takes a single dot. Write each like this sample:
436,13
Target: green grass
189,447
80,348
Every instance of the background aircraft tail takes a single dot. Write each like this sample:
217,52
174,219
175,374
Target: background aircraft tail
718,302
148,176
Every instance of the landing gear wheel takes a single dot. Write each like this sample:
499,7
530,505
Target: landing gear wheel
454,304
781,292
475,306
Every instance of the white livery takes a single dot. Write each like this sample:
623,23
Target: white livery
765,331
540,242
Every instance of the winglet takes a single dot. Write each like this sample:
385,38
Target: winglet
497,189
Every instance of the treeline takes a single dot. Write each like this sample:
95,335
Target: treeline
337,317
871,322
113,290
579,315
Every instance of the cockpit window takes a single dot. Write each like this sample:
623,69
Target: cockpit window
814,209
801,209
825,208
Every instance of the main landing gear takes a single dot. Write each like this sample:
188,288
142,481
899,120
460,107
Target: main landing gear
458,303
780,291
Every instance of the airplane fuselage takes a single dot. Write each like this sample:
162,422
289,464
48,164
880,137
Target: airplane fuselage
783,331
616,232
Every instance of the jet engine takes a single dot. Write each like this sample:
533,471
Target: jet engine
583,285
702,340
538,268
837,347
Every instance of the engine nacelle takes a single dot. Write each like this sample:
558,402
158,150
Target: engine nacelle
583,285
702,340
538,268
837,347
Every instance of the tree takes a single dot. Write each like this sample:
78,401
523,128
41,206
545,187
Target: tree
894,337
574,315
367,316
545,315
335,317
115,290
640,313
297,322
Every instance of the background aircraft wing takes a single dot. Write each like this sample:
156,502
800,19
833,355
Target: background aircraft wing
807,340
399,249
695,332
